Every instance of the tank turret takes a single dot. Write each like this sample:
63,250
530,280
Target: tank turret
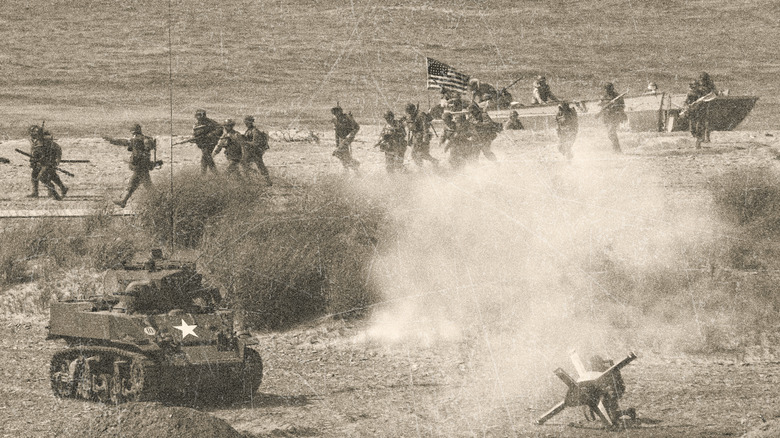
156,331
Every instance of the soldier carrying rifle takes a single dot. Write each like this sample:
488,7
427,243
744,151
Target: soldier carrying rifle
141,163
45,155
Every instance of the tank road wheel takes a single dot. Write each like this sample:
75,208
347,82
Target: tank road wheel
133,383
65,372
101,387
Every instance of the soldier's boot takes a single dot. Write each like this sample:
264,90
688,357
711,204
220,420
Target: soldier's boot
64,190
34,193
53,193
698,143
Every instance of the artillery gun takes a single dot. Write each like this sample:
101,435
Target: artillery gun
156,333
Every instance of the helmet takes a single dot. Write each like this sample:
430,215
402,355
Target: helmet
541,78
229,122
389,115
200,113
411,108
34,129
136,129
513,114
652,86
336,110
609,86
249,119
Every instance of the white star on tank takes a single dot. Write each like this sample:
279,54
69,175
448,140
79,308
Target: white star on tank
186,329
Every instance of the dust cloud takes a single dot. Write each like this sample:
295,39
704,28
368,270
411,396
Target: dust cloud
532,259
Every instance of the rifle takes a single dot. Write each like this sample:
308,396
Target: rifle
503,90
610,103
189,140
706,98
58,168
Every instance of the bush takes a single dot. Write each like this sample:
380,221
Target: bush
280,261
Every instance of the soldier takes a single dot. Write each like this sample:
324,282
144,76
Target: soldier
141,147
706,84
393,143
419,127
449,130
45,157
485,130
692,110
652,88
459,141
612,113
568,125
255,145
206,133
346,129
513,123
542,92
233,143
481,92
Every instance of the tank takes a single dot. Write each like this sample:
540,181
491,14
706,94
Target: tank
156,333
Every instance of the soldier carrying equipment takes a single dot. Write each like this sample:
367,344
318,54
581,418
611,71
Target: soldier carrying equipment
141,163
346,128
45,157
205,134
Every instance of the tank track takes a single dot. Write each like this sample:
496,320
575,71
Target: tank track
103,374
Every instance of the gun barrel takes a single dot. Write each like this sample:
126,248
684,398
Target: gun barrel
23,153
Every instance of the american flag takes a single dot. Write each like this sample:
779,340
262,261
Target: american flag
443,76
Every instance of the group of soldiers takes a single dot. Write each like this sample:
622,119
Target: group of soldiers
468,133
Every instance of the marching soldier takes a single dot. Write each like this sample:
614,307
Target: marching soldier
542,92
255,145
612,113
233,143
346,129
45,156
481,92
141,163
514,122
459,141
206,133
393,143
485,130
419,127
568,126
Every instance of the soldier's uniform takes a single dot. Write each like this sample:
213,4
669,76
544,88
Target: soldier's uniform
696,120
346,128
45,157
612,114
206,133
542,93
141,147
418,124
706,86
393,143
255,145
459,142
482,92
233,143
485,130
568,125
513,123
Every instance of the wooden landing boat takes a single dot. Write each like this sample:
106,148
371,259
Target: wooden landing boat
646,113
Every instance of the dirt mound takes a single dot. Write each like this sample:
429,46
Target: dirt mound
769,429
154,420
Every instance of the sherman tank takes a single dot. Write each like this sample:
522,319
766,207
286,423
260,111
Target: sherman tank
156,333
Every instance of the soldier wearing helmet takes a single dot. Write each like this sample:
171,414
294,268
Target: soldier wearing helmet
482,92
141,147
692,110
45,156
392,142
542,93
255,145
233,143
346,128
568,125
612,114
513,123
484,131
418,124
206,133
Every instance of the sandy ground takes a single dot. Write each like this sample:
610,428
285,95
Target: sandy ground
331,379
